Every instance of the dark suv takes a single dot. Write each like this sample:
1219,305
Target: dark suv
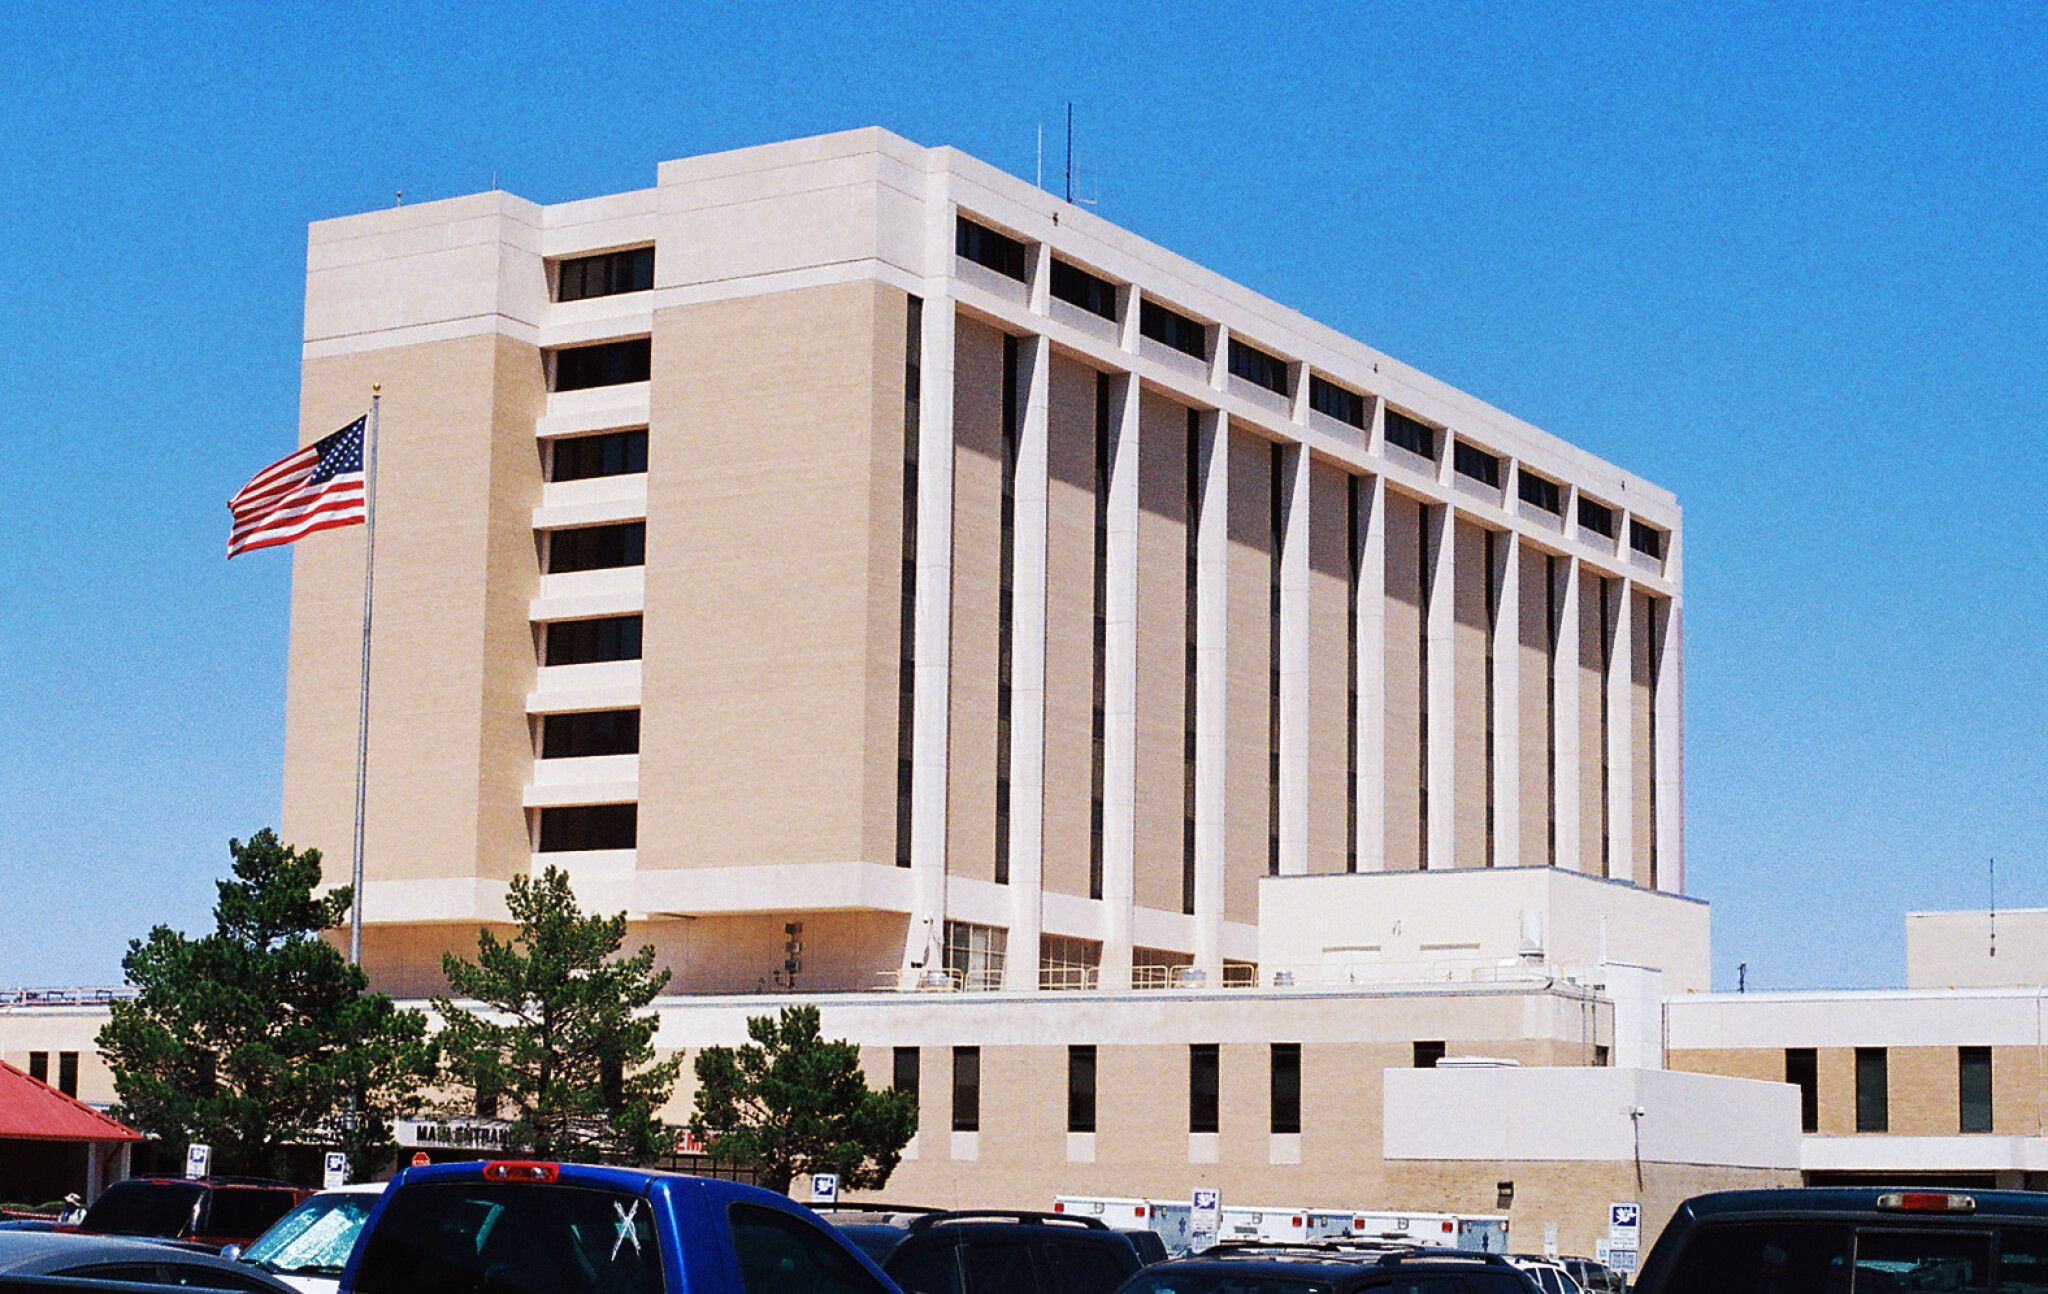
1851,1240
1331,1267
209,1212
994,1252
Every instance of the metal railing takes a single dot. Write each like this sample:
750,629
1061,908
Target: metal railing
15,997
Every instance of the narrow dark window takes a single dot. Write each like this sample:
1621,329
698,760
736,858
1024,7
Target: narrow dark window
1355,522
1427,569
984,246
486,1100
612,363
1493,566
588,826
591,732
903,1076
1415,437
1973,1087
1257,367
1606,719
1647,540
39,1066
1171,328
597,548
1596,517
612,453
906,613
1802,1070
1006,609
1099,723
1078,287
1553,586
606,274
579,642
1081,1089
1470,460
1539,492
1873,1109
1428,1053
1191,623
1333,400
1654,648
1276,475
966,1089
1204,1084
1286,1094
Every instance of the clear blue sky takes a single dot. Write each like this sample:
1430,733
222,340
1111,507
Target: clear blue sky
1784,259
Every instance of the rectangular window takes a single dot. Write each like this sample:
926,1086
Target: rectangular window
1428,1053
1081,1089
1540,493
1333,400
1257,367
606,274
39,1066
1647,540
67,1072
1873,1112
966,1089
1078,287
1204,1083
1973,1087
580,642
1171,328
1470,460
575,827
1802,1070
1596,517
597,548
974,955
613,453
1286,1087
1415,437
984,246
903,1074
592,732
611,363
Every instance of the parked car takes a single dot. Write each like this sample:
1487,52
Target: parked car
309,1246
998,1252
1331,1267
526,1227
209,1212
1548,1273
26,1256
1851,1240
1595,1277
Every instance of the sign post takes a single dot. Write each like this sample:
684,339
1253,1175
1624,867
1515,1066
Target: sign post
198,1158
1205,1218
1624,1235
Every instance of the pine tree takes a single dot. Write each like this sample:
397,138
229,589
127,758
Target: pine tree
793,1103
260,1035
557,1042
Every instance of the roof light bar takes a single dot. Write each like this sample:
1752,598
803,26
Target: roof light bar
520,1170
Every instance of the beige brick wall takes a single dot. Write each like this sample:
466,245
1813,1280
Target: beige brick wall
1248,817
1070,626
1642,694
1472,713
1329,667
977,571
1404,521
1162,646
1538,739
1595,637
1923,1092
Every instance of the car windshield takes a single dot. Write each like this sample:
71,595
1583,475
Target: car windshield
144,1209
472,1237
315,1238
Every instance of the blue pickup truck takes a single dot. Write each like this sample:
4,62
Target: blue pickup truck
522,1227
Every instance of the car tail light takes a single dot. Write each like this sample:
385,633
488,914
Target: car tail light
1926,1202
1137,1210
520,1170
1059,1206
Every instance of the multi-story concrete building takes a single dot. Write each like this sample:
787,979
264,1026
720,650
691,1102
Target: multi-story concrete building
1144,716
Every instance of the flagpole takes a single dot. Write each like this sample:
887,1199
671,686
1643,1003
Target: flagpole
355,920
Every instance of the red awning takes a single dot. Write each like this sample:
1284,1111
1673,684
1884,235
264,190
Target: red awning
35,1111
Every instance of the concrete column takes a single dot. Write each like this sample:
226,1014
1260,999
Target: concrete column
1564,665
1120,689
1212,568
1507,704
1441,682
1027,669
1670,703
1371,744
1294,543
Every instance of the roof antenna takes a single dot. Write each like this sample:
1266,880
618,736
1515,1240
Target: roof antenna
1070,150
1994,907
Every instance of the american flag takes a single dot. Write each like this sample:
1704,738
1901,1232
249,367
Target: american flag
317,488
